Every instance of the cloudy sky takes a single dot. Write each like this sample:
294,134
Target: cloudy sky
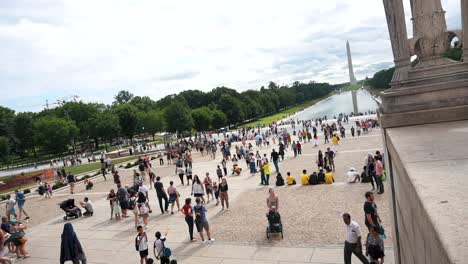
53,49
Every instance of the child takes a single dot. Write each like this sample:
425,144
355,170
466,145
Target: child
216,192
141,243
189,175
48,193
117,209
290,179
375,246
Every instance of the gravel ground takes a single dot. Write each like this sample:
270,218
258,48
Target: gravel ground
311,214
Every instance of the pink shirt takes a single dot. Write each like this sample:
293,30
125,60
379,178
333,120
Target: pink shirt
379,168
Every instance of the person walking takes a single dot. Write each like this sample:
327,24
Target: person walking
173,197
70,247
18,237
223,194
188,212
160,250
219,172
123,198
161,193
379,170
353,243
372,217
71,182
197,188
141,244
275,158
266,171
201,220
20,201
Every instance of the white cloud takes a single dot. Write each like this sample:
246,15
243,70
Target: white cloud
51,49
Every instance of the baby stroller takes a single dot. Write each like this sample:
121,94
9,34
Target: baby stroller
68,206
274,223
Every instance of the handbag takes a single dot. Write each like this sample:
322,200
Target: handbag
22,240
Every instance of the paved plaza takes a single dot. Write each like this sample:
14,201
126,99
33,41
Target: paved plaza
311,215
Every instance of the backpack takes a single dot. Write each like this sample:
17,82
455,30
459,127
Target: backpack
137,246
198,212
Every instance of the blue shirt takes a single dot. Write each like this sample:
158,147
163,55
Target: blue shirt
20,199
203,211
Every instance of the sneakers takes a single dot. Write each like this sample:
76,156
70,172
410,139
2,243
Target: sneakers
27,217
211,240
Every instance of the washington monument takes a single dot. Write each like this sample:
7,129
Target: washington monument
352,79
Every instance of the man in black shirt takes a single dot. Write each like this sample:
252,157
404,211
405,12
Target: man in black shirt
321,176
275,158
372,218
161,193
71,181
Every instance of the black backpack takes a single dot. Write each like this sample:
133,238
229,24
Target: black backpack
137,247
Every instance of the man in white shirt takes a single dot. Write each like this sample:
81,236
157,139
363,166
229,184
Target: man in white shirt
143,189
352,240
88,206
353,175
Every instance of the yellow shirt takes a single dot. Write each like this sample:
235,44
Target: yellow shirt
290,180
335,141
305,179
266,168
329,179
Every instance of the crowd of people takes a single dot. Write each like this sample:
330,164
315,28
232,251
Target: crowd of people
132,199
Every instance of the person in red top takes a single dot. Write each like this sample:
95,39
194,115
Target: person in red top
299,148
187,211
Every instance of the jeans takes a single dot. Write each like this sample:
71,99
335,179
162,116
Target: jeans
189,221
262,178
378,181
349,249
252,167
160,198
267,179
275,162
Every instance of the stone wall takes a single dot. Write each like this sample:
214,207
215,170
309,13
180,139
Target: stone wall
415,237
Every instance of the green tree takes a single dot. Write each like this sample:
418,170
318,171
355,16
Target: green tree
104,126
128,119
232,107
202,118
7,117
219,119
178,117
152,122
80,113
382,79
23,130
123,97
54,134
144,103
5,148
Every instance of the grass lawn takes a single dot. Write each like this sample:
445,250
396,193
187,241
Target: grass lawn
278,116
77,169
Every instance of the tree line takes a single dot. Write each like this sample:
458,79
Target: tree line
76,123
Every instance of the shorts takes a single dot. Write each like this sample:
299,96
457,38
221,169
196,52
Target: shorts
143,253
202,225
123,205
11,211
198,195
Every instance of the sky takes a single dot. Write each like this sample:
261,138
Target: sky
55,49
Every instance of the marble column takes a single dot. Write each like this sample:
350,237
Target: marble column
464,15
399,38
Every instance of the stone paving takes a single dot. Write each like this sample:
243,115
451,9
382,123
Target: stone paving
107,241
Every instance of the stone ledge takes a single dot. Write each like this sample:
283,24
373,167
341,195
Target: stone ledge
433,160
